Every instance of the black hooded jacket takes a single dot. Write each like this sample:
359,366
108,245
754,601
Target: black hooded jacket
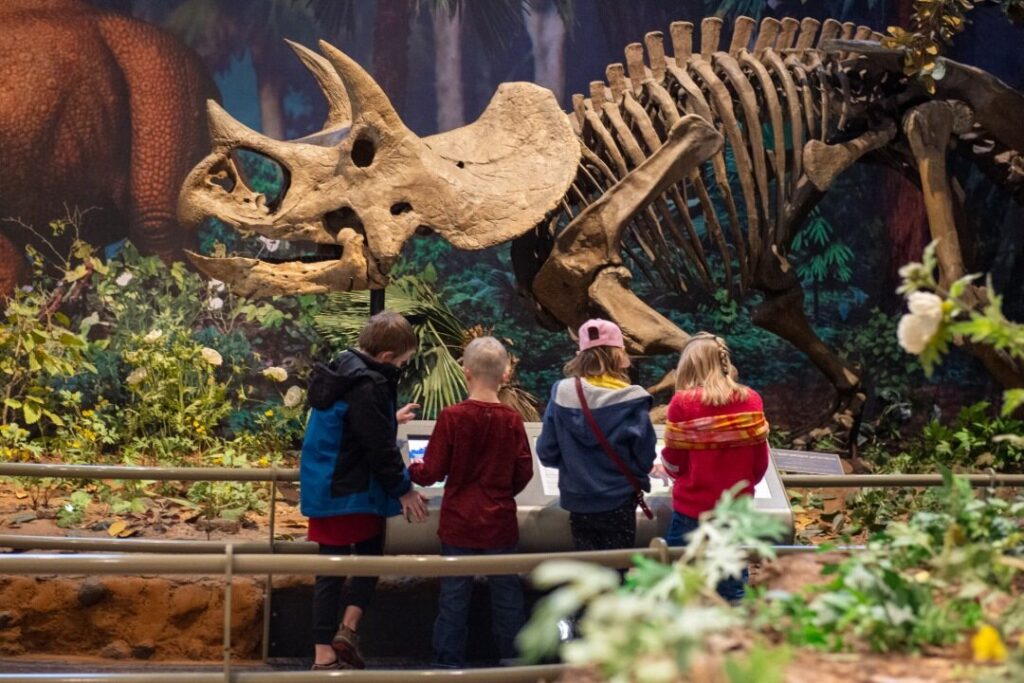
370,430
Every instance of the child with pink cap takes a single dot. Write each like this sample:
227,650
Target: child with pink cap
598,434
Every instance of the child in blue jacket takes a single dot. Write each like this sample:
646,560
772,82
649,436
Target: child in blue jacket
600,498
352,474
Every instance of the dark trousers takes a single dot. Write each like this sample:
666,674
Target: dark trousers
327,591
452,628
731,589
610,530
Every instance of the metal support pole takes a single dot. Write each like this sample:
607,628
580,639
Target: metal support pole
229,561
376,301
269,588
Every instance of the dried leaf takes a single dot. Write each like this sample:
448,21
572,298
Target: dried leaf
117,527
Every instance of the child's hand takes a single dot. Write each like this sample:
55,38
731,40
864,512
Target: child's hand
414,506
406,413
660,472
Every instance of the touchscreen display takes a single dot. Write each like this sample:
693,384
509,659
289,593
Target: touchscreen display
417,449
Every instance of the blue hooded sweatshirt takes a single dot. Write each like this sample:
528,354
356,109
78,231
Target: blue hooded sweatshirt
588,480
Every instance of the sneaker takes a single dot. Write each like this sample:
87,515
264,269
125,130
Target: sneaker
336,665
346,644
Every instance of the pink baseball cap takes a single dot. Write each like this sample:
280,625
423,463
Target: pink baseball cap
599,332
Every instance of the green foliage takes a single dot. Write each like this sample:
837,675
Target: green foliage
939,318
122,362
654,626
434,377
872,346
918,583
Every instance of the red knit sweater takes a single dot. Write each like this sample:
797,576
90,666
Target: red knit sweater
702,475
481,452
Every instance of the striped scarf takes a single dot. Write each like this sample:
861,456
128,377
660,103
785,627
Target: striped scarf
717,431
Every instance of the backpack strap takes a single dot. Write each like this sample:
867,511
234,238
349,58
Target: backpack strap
610,451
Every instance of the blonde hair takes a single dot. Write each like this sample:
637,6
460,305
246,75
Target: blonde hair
704,363
387,331
599,360
486,358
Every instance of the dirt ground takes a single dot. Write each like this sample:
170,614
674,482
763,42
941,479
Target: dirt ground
174,619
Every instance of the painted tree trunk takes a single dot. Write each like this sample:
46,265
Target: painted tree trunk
448,70
547,34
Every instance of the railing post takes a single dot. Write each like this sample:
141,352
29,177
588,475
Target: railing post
660,546
229,567
269,588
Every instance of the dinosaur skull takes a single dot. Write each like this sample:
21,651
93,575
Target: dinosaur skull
365,183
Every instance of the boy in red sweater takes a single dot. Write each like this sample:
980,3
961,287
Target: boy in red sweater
480,449
716,436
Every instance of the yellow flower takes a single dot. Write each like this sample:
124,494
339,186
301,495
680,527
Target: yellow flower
264,461
87,413
922,576
76,444
89,435
269,413
987,645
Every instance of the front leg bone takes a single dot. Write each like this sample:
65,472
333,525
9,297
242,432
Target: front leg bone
592,242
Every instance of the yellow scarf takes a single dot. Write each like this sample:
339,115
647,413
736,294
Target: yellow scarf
720,431
606,382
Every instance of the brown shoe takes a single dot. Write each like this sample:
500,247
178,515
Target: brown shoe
346,644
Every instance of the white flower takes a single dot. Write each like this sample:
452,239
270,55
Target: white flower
27,289
124,278
215,285
275,373
215,304
136,376
918,327
153,336
211,356
269,244
293,397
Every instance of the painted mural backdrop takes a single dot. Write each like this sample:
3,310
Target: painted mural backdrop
440,67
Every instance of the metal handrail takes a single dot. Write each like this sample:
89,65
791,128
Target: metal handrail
45,564
278,474
138,545
519,674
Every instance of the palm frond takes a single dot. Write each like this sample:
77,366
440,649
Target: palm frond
433,377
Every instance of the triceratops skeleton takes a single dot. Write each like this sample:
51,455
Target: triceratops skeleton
631,170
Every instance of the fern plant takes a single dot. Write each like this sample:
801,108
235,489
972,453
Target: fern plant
434,377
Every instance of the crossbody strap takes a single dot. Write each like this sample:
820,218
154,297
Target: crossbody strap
610,451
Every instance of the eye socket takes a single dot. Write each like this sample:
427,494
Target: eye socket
363,151
262,174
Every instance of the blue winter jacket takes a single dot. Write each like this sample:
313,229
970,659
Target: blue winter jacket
588,480
350,460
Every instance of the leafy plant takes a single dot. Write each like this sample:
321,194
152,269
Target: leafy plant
656,625
821,256
926,581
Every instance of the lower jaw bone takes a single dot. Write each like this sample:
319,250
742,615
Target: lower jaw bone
255,279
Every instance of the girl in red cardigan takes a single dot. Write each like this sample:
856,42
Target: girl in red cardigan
716,436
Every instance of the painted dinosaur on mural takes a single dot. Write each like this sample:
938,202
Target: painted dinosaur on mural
634,180
100,111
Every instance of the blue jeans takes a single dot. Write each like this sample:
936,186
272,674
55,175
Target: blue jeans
451,629
731,589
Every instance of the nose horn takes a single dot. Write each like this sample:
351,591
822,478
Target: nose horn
225,130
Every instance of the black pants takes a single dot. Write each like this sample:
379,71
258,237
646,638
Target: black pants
327,602
610,530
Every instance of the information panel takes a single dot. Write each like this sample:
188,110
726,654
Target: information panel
543,525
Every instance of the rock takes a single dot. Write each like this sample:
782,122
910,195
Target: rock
91,592
228,526
117,649
21,518
143,650
102,525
